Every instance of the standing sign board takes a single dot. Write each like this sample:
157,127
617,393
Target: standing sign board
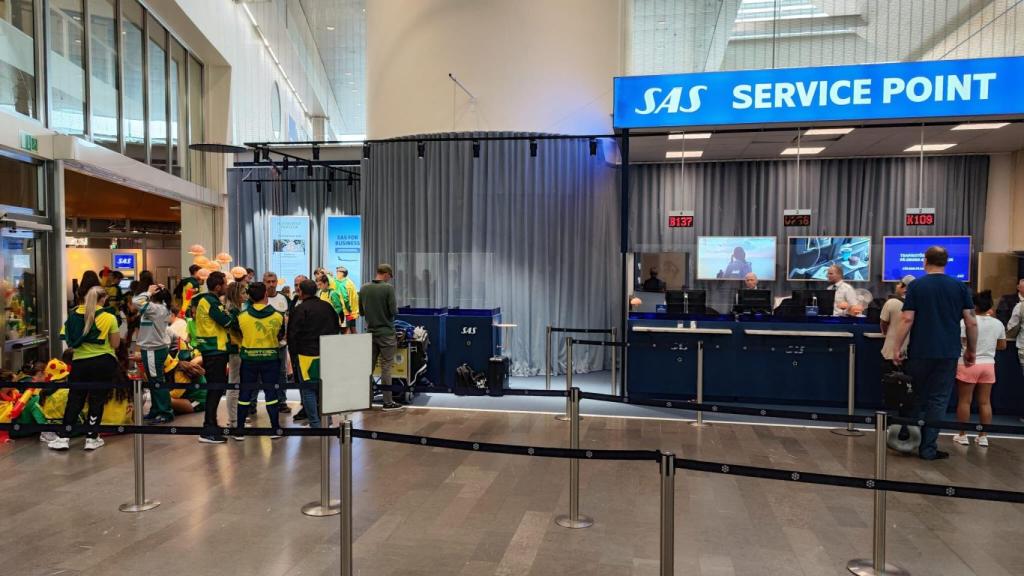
289,247
345,372
343,246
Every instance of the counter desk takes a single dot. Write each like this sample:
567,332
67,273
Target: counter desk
767,360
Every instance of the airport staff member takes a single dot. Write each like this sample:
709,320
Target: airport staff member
750,281
846,296
262,328
211,339
1008,302
931,316
313,319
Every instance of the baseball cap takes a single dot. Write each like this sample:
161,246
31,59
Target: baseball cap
906,280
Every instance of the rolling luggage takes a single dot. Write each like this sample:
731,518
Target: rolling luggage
497,375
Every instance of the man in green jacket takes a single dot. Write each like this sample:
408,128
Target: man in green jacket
379,307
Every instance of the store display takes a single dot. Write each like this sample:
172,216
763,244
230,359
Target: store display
733,257
903,255
811,256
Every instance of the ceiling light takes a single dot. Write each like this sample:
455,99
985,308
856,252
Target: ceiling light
690,136
679,154
929,147
981,126
828,131
330,28
803,150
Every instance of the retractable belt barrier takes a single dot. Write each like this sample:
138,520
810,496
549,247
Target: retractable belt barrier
308,385
166,430
581,330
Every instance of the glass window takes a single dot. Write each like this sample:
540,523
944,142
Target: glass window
21,186
179,106
67,67
103,58
18,58
156,56
195,120
134,122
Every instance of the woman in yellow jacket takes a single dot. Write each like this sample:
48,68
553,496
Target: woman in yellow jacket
262,328
350,296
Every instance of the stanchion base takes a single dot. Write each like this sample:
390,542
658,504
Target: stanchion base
564,418
846,432
566,521
867,568
317,510
133,507
697,424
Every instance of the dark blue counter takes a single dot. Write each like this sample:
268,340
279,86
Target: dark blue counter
756,361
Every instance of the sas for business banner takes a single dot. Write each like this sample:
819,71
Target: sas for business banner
289,247
344,246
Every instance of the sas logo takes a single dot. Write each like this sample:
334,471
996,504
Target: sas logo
469,330
124,261
656,103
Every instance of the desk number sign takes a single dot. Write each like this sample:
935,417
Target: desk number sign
920,217
680,219
796,218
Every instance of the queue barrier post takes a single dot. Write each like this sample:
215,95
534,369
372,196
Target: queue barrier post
877,566
325,506
574,519
851,394
668,514
568,381
547,359
140,504
699,422
615,358
345,463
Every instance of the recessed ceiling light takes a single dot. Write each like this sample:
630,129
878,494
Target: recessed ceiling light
929,147
828,131
981,126
802,150
690,136
330,28
679,154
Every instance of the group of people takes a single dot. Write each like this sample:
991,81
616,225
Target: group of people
219,329
943,337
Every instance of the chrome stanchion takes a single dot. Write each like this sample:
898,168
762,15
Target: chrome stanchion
547,359
574,519
346,497
668,514
324,506
568,381
615,358
700,384
851,399
140,504
864,567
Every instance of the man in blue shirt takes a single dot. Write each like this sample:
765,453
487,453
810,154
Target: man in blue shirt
935,304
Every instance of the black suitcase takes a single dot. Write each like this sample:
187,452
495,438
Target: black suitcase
497,375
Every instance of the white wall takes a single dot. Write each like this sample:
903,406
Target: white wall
999,207
533,65
199,225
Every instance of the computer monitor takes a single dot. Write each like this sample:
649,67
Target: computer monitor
755,300
686,301
825,300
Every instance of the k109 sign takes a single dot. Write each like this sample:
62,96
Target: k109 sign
950,88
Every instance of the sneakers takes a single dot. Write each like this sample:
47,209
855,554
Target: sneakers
276,436
59,444
300,415
209,439
238,438
982,441
283,408
160,420
962,439
47,437
939,455
392,406
93,443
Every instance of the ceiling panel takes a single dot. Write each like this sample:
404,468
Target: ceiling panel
339,29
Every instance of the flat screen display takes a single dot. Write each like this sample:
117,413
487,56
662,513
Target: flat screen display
903,255
811,256
733,257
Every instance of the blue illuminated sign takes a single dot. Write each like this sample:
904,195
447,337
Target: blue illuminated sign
949,88
124,261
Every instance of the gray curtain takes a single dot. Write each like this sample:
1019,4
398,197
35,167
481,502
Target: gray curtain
857,197
537,237
250,211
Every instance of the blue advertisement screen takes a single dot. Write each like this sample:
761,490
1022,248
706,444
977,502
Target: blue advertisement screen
733,257
904,255
344,246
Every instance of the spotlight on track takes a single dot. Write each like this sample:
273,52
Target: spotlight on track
316,152
293,186
309,170
266,154
255,155
421,148
366,150
259,187
330,188
593,146
533,148
476,148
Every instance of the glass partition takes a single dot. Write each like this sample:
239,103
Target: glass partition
18,58
66,72
196,161
134,121
103,72
179,105
471,277
156,58
420,280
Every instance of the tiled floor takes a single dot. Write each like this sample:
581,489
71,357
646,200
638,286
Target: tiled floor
234,509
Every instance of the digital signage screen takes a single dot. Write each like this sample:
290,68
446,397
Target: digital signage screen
811,256
903,255
733,257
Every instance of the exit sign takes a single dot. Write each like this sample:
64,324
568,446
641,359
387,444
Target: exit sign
680,219
919,217
796,218
29,142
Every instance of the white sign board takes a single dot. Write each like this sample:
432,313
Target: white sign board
345,371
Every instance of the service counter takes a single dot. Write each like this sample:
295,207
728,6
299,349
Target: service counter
766,360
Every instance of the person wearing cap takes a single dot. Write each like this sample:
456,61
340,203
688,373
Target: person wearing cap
890,321
350,300
191,282
380,308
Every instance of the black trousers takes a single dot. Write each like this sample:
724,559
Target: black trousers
216,366
99,369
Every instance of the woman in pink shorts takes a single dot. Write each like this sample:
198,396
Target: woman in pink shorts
982,375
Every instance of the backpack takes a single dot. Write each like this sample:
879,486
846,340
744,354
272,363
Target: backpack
468,382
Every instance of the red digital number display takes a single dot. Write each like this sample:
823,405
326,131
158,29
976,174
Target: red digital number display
680,221
920,220
796,220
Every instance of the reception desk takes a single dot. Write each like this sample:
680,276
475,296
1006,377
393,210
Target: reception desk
764,360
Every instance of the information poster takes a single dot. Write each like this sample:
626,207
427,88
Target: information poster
289,247
344,246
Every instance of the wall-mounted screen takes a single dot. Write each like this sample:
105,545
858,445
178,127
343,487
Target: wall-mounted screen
733,257
903,255
811,256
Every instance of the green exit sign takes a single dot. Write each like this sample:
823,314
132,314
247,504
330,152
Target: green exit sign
29,142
